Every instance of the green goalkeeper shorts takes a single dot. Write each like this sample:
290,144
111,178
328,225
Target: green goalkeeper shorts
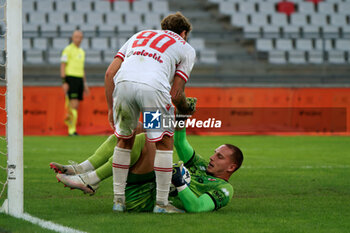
140,192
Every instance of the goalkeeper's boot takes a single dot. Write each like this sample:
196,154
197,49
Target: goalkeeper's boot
119,205
65,169
166,209
77,182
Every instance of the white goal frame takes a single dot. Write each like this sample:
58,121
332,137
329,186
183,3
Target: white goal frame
14,107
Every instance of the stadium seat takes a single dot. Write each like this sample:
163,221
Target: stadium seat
326,8
306,7
65,6
296,57
34,56
266,7
99,43
57,18
37,18
208,56
284,44
343,8
264,45
336,57
316,56
240,20
133,19
85,44
93,57
102,6
108,56
304,44
28,6
95,18
141,6
247,7
54,56
227,8
40,43
121,7
83,6
279,19
287,7
67,29
310,31
325,45
298,19
330,31
60,43
342,44
161,7
114,19
271,31
44,6
277,57
26,43
259,19
318,19
252,31
76,18
152,20
338,20
197,43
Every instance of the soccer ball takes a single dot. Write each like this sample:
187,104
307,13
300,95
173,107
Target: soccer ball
186,175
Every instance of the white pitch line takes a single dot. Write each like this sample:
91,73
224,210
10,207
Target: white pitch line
49,225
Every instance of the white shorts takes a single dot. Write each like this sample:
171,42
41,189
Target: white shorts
130,99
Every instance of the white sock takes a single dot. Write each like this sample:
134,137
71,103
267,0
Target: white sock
163,169
92,178
85,166
121,163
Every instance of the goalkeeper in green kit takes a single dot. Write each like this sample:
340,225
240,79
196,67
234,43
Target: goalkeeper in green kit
208,189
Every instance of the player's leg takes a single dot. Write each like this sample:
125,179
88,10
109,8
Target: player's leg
126,114
100,157
160,102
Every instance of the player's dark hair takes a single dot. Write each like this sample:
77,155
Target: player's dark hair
177,23
237,155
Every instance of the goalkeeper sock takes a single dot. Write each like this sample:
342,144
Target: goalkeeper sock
105,170
121,163
163,168
104,152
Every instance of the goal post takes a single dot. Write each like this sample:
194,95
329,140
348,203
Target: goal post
14,106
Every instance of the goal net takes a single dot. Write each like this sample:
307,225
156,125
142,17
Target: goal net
11,108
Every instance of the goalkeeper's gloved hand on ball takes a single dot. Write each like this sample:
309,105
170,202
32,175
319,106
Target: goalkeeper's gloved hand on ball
177,178
191,108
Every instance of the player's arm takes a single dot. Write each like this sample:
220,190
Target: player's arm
191,202
183,147
178,96
109,86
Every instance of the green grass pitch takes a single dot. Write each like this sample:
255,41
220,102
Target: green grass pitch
286,184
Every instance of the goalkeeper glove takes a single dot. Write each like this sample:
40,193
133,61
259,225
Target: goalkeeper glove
191,106
177,178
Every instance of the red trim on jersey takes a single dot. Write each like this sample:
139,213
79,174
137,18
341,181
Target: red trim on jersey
116,165
160,137
182,75
120,55
122,136
163,169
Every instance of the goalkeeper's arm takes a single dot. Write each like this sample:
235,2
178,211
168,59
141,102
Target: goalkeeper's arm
183,147
191,202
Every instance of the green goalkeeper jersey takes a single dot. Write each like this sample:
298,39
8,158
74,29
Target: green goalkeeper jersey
219,190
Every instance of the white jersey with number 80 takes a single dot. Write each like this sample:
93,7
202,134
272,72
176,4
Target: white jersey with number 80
153,57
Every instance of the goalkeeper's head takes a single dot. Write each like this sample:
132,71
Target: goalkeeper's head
177,23
226,160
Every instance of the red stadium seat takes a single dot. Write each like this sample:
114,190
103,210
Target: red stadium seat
315,1
286,7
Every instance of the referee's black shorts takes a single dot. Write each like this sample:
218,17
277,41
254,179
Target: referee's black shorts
76,87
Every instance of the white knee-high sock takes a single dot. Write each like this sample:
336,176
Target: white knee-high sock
121,163
163,168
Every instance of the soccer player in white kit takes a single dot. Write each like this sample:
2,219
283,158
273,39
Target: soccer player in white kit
151,69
